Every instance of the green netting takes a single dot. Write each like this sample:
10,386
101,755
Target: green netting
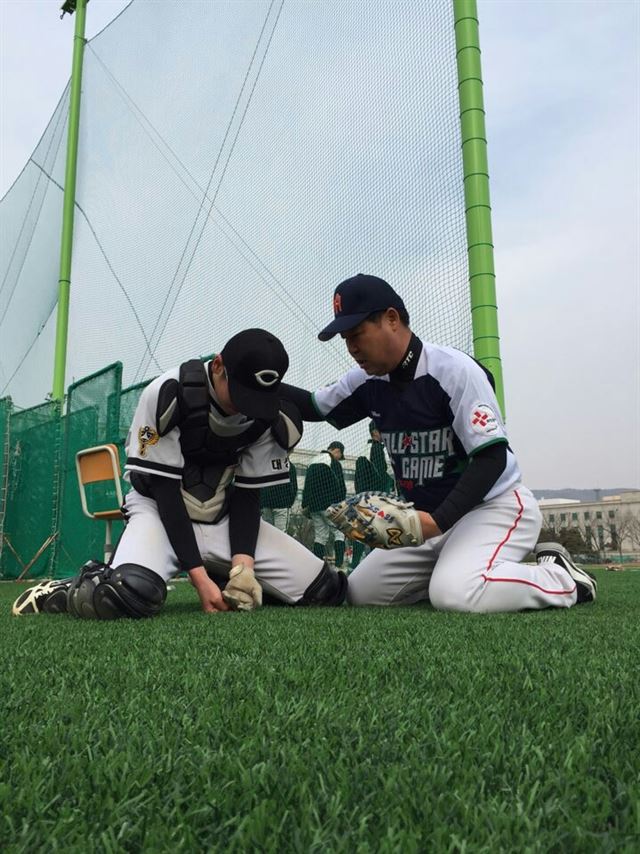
231,180
5,414
30,227
32,491
93,413
234,177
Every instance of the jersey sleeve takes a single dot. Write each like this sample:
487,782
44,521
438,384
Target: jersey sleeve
343,403
263,463
147,450
477,421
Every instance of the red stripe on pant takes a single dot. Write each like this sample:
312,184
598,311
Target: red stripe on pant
509,532
485,576
531,584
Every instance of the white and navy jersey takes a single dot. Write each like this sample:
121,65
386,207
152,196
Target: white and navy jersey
431,424
235,451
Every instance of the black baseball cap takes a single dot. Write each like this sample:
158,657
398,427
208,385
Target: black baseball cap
355,299
255,361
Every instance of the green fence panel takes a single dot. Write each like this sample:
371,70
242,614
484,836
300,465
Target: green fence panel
34,451
93,413
102,392
5,414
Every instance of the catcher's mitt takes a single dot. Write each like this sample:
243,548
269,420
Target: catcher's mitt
378,520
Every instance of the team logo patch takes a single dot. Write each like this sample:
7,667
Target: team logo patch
483,419
337,304
146,436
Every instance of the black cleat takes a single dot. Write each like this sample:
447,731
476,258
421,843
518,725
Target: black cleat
555,553
48,597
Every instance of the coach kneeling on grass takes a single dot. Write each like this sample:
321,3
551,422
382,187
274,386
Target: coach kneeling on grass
467,523
205,437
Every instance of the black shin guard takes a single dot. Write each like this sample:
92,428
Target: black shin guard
328,588
56,601
101,592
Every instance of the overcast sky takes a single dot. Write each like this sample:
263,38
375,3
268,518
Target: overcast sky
562,93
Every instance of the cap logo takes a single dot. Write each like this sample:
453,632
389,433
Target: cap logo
337,303
267,377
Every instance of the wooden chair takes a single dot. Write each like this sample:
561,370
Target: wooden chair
100,465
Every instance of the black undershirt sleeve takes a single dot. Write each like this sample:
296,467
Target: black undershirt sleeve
303,399
244,521
483,471
173,514
346,413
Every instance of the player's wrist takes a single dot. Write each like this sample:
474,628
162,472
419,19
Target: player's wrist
247,560
429,525
199,577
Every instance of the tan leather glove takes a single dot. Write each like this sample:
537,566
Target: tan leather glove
378,520
242,593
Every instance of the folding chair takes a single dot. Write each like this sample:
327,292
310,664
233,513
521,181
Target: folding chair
100,465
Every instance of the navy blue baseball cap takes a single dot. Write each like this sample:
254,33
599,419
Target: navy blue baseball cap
355,299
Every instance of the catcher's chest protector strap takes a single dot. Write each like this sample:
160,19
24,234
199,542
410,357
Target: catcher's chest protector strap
287,428
199,443
193,391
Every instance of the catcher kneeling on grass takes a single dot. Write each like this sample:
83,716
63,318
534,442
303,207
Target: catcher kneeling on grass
205,437
468,521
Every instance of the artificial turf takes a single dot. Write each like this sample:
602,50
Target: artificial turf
312,730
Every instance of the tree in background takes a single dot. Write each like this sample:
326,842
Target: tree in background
569,537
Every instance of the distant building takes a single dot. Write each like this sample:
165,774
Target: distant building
611,525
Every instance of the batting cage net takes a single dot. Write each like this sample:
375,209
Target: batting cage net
236,161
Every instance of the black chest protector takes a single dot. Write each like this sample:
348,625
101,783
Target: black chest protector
208,447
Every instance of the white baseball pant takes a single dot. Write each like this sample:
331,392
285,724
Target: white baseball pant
276,516
475,566
323,529
283,566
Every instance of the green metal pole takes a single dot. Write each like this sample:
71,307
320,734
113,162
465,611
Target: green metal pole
482,277
64,282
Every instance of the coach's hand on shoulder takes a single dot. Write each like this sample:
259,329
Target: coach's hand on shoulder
208,591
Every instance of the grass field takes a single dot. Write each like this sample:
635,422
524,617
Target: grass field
341,730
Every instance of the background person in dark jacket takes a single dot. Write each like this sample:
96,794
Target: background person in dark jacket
276,501
324,485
